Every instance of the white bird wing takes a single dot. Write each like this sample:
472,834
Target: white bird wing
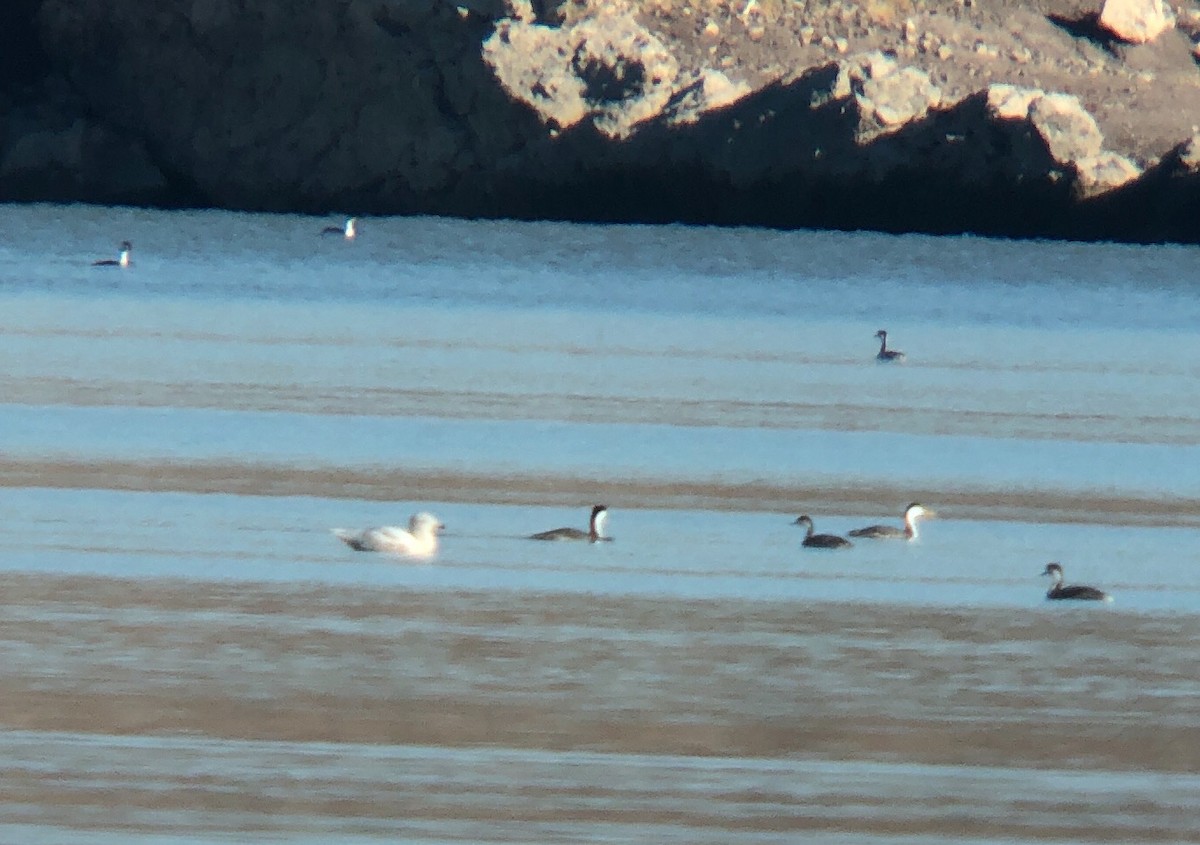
389,538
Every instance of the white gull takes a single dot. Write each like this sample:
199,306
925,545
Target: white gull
419,540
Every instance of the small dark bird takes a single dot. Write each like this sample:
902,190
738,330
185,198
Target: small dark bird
121,261
886,354
1076,593
347,231
594,534
820,541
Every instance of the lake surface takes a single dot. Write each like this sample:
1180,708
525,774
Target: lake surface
190,656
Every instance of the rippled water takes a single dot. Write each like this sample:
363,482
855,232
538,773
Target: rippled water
190,656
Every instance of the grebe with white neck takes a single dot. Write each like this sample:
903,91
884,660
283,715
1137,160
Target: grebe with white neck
594,534
820,541
122,260
886,354
347,231
419,540
912,514
1076,592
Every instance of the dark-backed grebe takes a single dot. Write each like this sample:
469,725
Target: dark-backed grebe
347,231
912,513
594,534
121,261
820,541
886,354
1076,592
419,540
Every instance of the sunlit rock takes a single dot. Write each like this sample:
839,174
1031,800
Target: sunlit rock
1011,102
608,68
1189,154
899,97
1105,171
1137,21
1070,132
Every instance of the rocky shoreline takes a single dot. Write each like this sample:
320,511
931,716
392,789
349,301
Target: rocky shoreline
1051,118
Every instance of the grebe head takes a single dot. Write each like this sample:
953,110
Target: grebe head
126,248
916,511
881,334
806,521
1054,571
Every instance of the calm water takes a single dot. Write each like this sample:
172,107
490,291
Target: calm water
190,656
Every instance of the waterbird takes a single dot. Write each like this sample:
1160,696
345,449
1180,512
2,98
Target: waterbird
912,513
121,261
594,534
419,540
1076,592
347,231
820,541
886,354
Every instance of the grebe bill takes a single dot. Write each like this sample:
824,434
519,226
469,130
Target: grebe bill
912,514
1079,592
121,261
594,534
820,541
419,540
886,354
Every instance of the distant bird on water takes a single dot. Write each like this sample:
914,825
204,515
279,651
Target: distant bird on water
594,534
1068,593
886,354
419,540
912,513
820,541
347,231
121,260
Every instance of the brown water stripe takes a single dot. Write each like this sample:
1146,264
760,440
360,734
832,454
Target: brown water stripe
386,484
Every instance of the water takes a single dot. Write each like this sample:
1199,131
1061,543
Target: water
190,656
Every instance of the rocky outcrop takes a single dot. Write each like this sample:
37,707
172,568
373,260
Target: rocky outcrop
607,68
886,94
1070,133
1136,21
923,116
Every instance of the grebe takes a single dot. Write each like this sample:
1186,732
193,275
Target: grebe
890,532
1077,592
121,261
419,540
346,231
594,534
820,541
886,354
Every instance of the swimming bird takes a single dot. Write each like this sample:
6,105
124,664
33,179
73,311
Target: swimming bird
1077,592
419,540
820,541
121,261
886,354
912,513
347,231
594,534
